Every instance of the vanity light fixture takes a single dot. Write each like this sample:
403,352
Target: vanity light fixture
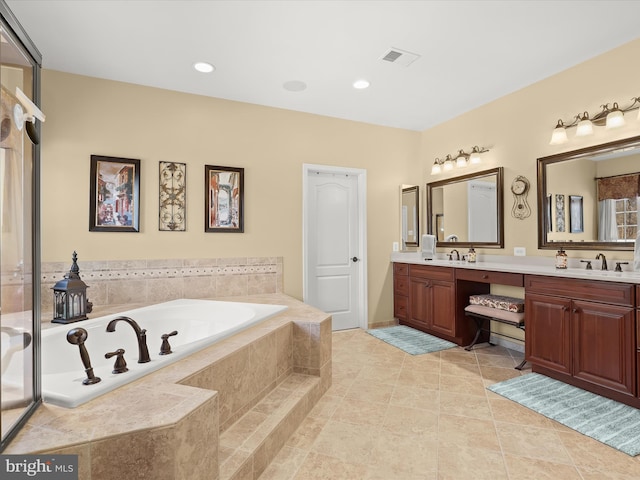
609,117
461,160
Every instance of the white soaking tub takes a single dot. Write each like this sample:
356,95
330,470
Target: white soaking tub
199,323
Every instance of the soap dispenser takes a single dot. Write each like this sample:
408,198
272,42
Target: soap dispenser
471,255
561,259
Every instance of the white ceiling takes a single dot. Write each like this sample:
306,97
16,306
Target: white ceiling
471,52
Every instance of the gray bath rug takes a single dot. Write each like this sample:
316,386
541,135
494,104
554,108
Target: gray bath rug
410,340
610,422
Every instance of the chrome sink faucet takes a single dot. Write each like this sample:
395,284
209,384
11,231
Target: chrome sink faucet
457,254
604,261
141,334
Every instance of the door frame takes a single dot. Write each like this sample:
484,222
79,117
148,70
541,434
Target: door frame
361,174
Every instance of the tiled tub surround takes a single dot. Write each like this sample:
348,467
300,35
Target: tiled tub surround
119,282
223,412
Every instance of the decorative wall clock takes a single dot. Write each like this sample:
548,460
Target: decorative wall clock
520,189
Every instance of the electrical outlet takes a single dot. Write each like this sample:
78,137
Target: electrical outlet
519,251
396,246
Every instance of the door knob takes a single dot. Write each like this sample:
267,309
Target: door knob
354,259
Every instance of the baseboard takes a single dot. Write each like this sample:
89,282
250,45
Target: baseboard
506,343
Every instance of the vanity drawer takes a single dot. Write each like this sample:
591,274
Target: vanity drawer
400,306
401,285
485,276
432,273
400,269
599,291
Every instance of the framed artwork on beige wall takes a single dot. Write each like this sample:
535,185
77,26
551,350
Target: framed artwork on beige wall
172,197
224,199
114,194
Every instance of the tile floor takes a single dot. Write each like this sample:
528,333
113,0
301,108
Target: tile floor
390,415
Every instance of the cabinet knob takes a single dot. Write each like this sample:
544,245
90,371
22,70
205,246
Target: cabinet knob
485,276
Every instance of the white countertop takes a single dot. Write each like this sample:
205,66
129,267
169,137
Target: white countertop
526,265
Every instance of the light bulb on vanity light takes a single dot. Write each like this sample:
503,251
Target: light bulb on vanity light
436,167
615,117
462,159
559,135
585,127
448,163
474,157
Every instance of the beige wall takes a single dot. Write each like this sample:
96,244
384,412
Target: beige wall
517,129
90,116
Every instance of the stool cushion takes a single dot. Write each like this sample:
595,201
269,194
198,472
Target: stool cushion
510,304
513,318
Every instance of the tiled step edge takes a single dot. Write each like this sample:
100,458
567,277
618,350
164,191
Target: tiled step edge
250,444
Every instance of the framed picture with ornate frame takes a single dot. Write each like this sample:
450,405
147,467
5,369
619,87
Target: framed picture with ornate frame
576,223
114,201
224,199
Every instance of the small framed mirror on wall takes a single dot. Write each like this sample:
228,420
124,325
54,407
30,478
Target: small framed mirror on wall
588,199
468,210
410,216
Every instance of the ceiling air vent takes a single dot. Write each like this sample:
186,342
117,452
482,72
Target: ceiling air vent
399,57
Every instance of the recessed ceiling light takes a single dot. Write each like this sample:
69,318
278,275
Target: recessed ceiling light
361,84
203,67
294,86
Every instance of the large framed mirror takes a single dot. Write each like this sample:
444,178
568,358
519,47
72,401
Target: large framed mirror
468,210
588,199
410,216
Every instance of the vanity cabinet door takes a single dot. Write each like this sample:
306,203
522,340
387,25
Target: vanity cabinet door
420,302
548,332
443,318
603,345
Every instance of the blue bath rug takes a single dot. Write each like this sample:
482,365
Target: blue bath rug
410,340
610,422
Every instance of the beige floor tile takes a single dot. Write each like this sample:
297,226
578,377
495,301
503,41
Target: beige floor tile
591,454
420,378
459,369
371,391
532,442
393,416
465,405
410,421
346,442
467,432
380,374
419,454
469,385
321,467
468,462
521,468
498,374
458,355
360,412
416,397
504,410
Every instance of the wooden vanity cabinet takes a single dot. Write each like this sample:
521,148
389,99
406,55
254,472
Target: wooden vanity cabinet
638,339
431,297
582,332
400,290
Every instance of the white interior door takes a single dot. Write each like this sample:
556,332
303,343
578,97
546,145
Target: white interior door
334,254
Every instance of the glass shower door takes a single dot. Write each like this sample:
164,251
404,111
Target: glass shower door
19,385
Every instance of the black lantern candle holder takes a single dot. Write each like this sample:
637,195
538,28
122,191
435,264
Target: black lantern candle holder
70,303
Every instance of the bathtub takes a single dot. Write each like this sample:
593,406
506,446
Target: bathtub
200,323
